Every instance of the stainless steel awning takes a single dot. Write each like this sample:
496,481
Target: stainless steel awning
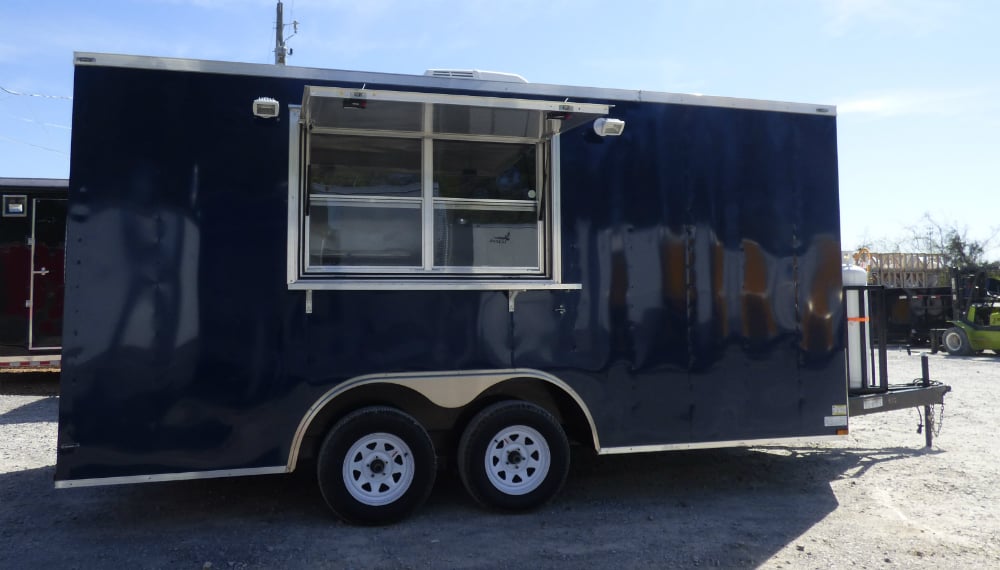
443,114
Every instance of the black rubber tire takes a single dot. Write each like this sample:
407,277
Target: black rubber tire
956,342
368,423
477,443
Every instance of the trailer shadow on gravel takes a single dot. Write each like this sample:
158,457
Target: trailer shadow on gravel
43,410
726,508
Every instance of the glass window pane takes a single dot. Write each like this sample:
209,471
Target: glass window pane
364,234
484,170
462,120
467,237
351,165
377,115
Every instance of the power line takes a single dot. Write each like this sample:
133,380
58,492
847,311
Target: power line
11,92
43,123
34,145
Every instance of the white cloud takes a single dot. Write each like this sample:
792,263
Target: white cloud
916,102
917,17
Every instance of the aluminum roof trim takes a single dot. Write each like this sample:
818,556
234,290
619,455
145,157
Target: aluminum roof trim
424,81
13,183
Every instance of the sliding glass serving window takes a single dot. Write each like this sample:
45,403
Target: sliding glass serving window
415,183
486,208
364,202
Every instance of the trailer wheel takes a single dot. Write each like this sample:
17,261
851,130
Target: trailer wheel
956,342
376,466
513,456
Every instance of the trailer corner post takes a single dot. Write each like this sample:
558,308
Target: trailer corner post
928,418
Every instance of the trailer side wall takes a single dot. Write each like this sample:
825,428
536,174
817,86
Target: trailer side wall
706,240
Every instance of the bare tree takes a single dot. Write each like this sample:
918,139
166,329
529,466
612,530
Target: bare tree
953,242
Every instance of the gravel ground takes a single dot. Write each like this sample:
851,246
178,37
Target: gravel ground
873,499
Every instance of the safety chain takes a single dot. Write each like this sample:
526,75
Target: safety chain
940,418
929,420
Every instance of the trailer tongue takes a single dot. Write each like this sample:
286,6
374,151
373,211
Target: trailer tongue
869,388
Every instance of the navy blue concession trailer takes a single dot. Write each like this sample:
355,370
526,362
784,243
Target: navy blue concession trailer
32,245
375,275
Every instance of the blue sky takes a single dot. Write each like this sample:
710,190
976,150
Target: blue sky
916,82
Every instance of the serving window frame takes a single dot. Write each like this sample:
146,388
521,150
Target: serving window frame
549,118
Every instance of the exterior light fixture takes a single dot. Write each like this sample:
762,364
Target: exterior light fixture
266,108
609,127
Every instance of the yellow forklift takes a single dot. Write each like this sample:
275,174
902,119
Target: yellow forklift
975,326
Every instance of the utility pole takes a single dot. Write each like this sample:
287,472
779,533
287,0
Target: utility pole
279,39
280,51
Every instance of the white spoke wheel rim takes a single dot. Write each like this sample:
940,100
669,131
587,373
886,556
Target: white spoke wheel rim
517,460
378,469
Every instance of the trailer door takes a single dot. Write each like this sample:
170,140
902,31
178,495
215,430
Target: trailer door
48,229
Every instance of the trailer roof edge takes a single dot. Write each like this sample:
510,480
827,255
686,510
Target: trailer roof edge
6,182
361,77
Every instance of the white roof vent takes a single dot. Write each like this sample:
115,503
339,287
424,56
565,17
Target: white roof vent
476,74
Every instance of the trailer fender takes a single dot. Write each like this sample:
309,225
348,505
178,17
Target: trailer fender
453,389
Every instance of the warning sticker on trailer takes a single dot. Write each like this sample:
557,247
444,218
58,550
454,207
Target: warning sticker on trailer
839,410
835,421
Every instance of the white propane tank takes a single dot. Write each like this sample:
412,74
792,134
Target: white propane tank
856,324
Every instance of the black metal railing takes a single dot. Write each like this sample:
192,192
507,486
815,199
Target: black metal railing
867,352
